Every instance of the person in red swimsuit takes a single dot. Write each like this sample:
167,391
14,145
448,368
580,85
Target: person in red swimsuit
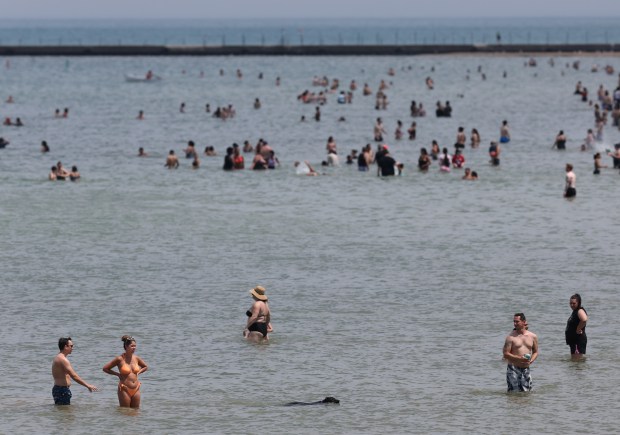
129,366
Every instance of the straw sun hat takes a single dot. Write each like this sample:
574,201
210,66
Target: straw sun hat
259,293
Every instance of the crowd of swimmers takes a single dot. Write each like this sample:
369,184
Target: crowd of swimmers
264,156
607,106
128,365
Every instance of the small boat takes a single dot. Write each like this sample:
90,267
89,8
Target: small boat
133,78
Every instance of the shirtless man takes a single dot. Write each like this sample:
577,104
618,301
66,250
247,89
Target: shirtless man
569,188
460,139
190,151
62,173
379,130
504,132
62,373
172,161
615,156
520,350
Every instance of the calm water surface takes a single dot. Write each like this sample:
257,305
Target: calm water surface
393,295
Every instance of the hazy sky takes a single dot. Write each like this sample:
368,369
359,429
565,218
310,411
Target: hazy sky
306,8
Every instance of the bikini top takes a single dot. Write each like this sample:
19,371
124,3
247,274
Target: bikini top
249,314
125,369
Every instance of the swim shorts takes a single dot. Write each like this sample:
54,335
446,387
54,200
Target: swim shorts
518,378
504,139
580,347
61,395
571,192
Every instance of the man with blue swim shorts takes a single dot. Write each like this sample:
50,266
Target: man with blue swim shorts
520,350
61,395
62,372
504,132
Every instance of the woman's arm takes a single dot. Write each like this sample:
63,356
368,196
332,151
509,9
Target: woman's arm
142,364
583,318
252,319
108,367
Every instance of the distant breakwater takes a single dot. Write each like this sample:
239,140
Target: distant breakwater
301,50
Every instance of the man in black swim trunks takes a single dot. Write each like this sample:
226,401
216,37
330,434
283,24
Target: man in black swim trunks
62,372
570,190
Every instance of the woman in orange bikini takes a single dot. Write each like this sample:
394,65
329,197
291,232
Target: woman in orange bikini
129,366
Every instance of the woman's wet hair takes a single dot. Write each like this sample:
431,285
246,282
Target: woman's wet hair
577,297
127,340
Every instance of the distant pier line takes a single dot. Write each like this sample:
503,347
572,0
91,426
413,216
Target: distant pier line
302,50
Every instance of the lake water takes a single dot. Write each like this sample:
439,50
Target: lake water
393,295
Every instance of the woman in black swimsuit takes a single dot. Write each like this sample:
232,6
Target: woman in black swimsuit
424,161
259,317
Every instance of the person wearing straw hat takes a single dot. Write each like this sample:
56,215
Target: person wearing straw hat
259,317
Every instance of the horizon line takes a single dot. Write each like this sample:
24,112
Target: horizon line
331,18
